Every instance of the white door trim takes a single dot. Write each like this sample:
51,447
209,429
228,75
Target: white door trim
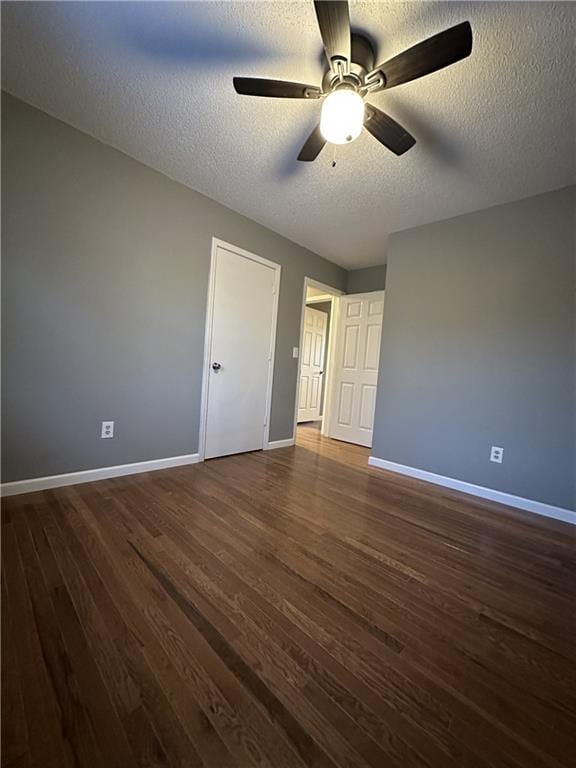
217,243
331,356
332,294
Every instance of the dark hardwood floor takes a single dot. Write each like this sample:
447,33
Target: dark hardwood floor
289,608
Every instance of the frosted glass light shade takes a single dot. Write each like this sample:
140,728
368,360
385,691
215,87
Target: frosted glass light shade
342,116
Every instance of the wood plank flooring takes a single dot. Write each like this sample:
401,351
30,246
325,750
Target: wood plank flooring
285,609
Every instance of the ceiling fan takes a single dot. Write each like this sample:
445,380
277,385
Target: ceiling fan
351,75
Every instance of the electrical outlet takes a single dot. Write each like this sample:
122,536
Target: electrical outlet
107,429
497,454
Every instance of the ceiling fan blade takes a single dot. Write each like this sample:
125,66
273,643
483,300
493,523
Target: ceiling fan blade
278,89
334,22
388,131
430,55
313,146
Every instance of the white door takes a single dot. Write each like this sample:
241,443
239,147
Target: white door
312,364
355,369
241,352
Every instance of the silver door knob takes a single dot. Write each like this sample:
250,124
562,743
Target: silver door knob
216,366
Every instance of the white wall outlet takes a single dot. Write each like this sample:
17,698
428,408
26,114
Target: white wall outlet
497,454
107,429
295,352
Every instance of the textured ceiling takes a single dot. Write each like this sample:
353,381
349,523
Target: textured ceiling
155,81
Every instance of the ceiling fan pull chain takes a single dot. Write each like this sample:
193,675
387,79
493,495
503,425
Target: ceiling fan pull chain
333,163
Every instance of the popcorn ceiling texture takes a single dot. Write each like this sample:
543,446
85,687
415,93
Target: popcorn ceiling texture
155,81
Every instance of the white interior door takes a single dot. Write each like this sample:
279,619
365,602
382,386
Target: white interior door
241,352
312,364
355,367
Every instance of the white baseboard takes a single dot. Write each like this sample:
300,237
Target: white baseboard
270,446
528,505
89,475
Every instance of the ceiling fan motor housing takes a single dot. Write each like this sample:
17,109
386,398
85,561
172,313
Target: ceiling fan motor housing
363,61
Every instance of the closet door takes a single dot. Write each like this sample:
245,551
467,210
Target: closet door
241,352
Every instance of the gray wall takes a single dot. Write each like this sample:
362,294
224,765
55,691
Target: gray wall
105,278
478,349
367,279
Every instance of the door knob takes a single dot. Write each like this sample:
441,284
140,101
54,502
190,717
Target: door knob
216,366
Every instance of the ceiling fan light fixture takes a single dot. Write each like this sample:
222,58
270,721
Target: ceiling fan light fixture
349,71
342,116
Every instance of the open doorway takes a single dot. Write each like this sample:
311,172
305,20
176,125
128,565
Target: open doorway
337,389
319,308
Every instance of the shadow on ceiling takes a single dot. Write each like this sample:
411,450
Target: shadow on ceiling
439,145
188,40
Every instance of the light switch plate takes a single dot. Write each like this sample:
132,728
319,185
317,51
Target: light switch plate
295,352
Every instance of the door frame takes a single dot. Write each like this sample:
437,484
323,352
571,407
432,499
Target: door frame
210,305
330,294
